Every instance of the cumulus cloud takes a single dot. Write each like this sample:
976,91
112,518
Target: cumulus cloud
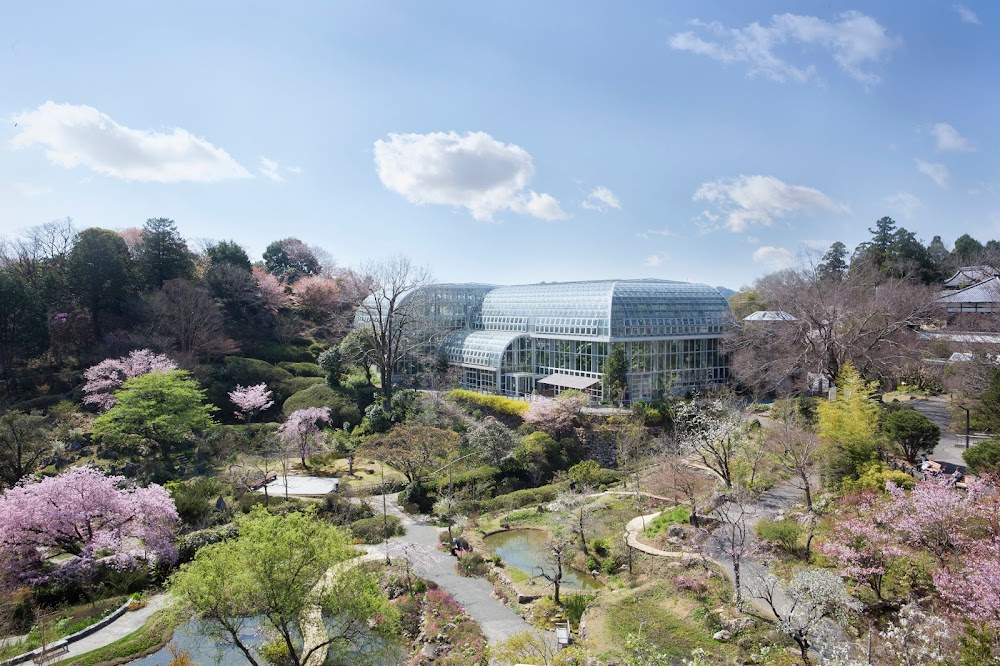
275,171
472,171
949,139
937,172
774,258
854,40
653,261
905,204
75,134
966,15
760,200
601,198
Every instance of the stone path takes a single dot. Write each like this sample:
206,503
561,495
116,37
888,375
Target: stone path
126,624
419,545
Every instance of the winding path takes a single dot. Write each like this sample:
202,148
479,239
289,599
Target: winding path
128,623
419,545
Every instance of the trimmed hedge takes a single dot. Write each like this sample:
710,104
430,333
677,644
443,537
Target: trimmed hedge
275,352
370,530
302,369
526,497
342,408
496,403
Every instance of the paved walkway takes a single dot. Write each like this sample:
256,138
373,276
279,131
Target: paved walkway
951,445
419,545
126,624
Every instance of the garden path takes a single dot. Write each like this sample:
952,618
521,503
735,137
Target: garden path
419,545
126,624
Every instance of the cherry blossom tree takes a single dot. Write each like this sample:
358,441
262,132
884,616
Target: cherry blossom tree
84,513
272,292
863,542
108,376
556,417
250,401
302,431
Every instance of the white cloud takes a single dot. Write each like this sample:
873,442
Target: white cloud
653,261
774,258
816,244
28,190
854,40
967,15
472,171
937,172
749,200
904,204
74,134
601,198
664,232
948,138
272,169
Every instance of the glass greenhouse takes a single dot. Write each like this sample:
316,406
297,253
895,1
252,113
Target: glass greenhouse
551,337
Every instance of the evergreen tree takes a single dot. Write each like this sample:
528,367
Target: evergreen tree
834,263
616,374
163,254
967,250
849,425
23,327
101,273
229,252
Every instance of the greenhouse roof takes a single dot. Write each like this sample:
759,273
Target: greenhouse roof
479,349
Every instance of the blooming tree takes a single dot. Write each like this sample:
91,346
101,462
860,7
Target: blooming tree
804,607
272,292
302,431
108,376
555,417
317,295
250,401
84,513
863,542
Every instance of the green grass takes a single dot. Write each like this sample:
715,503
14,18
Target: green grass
153,635
64,623
677,516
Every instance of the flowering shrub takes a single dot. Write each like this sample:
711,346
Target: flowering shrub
108,376
446,622
691,583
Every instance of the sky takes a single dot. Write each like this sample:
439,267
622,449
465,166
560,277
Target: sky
508,142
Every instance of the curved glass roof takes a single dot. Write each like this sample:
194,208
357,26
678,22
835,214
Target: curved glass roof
449,305
607,309
481,349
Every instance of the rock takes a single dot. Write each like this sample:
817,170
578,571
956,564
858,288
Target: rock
675,531
673,541
722,635
675,565
738,624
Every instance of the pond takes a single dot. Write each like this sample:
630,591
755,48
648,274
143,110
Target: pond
206,651
526,550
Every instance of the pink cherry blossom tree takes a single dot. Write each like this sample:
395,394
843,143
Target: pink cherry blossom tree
250,401
302,430
84,513
863,542
555,417
271,291
108,376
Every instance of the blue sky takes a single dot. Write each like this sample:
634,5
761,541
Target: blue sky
508,142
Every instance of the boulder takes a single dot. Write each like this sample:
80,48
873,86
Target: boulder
722,635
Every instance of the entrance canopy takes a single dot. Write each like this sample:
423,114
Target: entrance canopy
569,381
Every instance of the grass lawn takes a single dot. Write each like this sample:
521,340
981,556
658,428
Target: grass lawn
366,471
61,623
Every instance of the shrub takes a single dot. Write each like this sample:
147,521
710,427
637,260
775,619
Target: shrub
544,612
275,352
499,404
300,369
195,499
575,605
370,530
339,509
984,457
692,583
522,498
783,533
874,478
471,564
252,371
296,384
342,409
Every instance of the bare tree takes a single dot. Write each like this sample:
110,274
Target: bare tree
394,321
187,315
865,318
797,450
733,537
686,484
555,556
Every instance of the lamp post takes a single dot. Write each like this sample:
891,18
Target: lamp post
966,425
